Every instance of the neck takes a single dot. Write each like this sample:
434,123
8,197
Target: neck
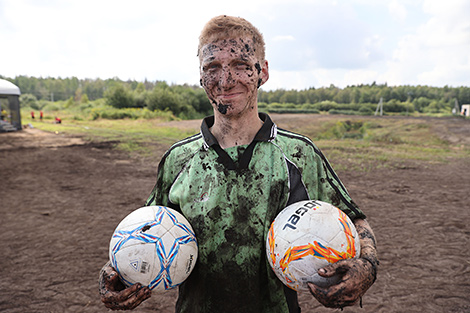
231,131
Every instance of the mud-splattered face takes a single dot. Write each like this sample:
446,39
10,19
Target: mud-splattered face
231,75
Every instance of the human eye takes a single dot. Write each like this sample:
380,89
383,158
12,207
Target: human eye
242,65
211,66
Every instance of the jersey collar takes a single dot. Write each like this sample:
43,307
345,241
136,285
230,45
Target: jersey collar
267,132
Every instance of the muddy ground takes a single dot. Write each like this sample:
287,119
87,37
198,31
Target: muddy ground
61,199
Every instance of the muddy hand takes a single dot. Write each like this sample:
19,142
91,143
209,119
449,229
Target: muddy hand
357,275
115,295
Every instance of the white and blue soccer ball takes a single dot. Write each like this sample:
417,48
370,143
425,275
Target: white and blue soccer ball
155,246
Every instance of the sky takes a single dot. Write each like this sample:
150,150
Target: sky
309,43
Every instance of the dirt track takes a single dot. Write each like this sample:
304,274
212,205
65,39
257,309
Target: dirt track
62,198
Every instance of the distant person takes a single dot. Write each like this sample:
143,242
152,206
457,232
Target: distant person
250,170
3,114
32,115
41,115
58,120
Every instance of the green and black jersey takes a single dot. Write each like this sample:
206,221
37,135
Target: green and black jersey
230,197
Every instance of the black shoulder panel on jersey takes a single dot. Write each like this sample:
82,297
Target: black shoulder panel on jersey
326,164
297,191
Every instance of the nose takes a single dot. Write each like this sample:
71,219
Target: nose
226,80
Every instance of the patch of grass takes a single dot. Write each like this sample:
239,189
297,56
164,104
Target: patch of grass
134,136
367,143
134,148
358,143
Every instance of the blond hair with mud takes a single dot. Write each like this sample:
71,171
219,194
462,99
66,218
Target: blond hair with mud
228,27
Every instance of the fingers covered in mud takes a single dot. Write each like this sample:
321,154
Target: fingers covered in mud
114,293
357,275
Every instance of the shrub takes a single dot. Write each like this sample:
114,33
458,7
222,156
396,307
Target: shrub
108,112
29,100
344,112
119,97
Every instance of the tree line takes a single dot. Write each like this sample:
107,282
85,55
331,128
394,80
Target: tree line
365,97
188,101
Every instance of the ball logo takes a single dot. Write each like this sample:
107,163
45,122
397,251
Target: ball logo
190,263
295,218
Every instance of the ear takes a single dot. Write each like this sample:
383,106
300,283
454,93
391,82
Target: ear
264,75
200,76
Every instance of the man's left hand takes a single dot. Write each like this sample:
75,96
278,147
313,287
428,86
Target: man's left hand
356,276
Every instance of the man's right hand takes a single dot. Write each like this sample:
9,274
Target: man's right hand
114,293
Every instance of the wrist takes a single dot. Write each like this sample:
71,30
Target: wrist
374,264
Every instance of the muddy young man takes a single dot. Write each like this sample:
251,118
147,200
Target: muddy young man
232,179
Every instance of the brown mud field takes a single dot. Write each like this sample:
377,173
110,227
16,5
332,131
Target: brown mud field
61,199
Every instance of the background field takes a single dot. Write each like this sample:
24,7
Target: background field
64,189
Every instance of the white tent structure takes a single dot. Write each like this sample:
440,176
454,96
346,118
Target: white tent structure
9,106
7,88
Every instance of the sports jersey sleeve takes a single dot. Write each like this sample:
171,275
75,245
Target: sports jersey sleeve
171,164
159,194
323,184
318,176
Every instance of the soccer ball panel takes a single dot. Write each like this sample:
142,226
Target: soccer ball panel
136,263
137,217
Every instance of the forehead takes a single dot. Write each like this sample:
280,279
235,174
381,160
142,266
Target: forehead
235,47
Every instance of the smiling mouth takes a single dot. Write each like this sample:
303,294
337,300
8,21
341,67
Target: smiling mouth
229,95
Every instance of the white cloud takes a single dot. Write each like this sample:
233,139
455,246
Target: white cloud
437,52
287,80
327,35
309,42
397,10
284,38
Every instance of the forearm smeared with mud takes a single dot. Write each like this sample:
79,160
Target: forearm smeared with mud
368,245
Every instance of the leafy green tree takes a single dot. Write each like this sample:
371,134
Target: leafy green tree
84,98
140,88
421,103
78,95
436,107
464,95
343,96
204,106
162,98
29,100
69,103
119,97
289,96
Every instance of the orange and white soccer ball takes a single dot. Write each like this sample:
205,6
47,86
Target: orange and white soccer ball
307,236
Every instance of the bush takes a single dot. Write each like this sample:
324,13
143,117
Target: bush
111,113
84,98
292,110
396,106
119,97
436,107
69,103
29,100
326,106
364,110
163,99
344,112
52,106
